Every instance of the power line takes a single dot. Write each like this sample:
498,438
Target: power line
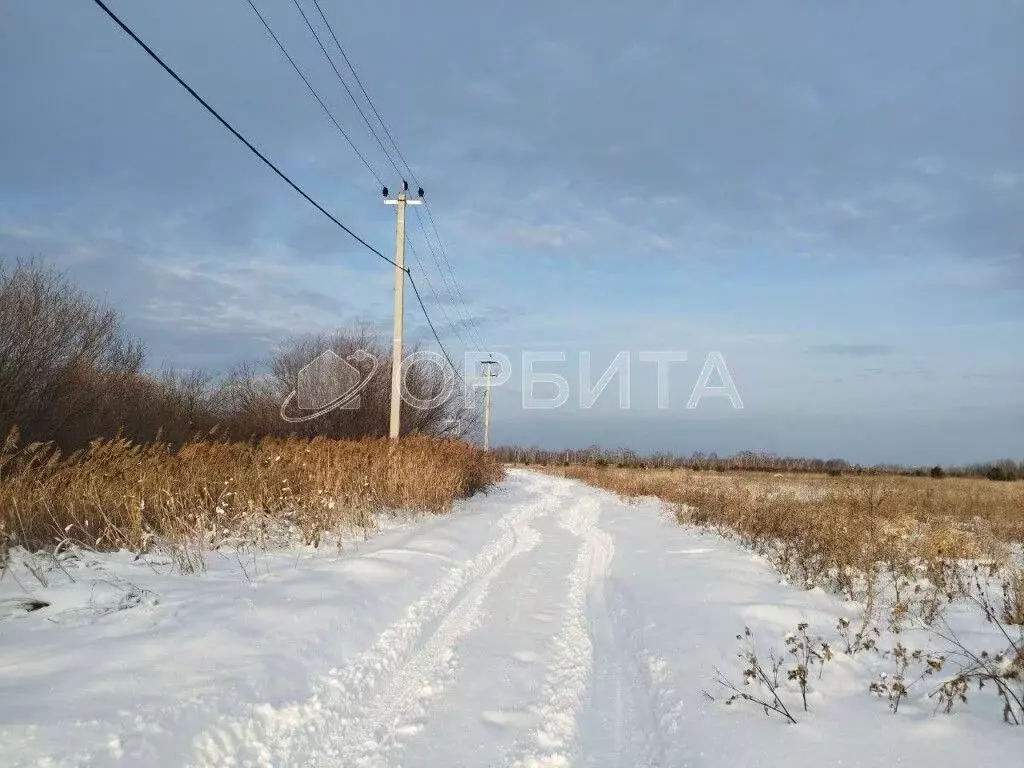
313,91
344,84
366,95
284,177
433,254
440,306
355,102
452,289
461,299
432,328
456,295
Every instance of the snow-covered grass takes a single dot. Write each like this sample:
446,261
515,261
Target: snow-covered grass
546,623
841,533
906,553
209,493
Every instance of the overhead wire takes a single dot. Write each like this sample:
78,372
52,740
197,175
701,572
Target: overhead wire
433,330
344,84
313,91
362,88
437,298
284,177
362,114
281,174
455,293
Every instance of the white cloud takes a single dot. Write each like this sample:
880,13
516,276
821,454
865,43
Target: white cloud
1004,180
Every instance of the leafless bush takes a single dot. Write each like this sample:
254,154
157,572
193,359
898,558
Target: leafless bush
763,684
896,686
70,375
249,402
1012,590
806,652
1003,670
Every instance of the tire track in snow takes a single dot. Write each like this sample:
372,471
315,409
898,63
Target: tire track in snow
369,739
335,716
628,705
568,677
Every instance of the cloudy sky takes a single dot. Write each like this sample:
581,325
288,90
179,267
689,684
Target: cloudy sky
829,194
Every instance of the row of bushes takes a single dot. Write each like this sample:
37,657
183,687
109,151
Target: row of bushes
70,373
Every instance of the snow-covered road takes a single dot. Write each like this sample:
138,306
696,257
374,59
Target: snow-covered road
545,624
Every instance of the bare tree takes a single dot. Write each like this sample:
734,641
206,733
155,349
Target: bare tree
58,347
251,402
69,374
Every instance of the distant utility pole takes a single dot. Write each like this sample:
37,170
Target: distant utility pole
488,374
396,350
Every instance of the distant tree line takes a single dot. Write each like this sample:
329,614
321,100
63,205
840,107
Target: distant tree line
755,461
70,373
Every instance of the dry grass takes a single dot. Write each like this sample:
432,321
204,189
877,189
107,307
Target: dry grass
118,495
833,530
1013,597
906,548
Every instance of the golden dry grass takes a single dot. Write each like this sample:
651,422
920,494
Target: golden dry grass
119,495
836,529
906,548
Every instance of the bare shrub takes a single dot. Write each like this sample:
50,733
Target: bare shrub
896,687
1012,589
1002,670
763,684
249,402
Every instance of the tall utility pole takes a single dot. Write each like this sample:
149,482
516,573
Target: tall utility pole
396,349
488,374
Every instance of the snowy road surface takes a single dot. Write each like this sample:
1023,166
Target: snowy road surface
544,624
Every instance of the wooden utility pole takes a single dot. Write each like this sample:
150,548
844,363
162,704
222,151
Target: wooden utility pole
488,374
396,349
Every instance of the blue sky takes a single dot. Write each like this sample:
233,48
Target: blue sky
830,194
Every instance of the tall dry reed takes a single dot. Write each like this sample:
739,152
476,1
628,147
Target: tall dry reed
116,494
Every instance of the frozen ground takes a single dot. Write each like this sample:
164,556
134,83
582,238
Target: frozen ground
544,624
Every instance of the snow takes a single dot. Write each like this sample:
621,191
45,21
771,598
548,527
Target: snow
542,624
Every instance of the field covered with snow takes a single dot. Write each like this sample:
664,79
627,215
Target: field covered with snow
544,623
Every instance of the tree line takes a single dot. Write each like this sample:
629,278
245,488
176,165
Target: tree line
70,373
756,461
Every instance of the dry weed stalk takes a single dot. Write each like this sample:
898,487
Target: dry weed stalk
921,542
839,532
116,494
